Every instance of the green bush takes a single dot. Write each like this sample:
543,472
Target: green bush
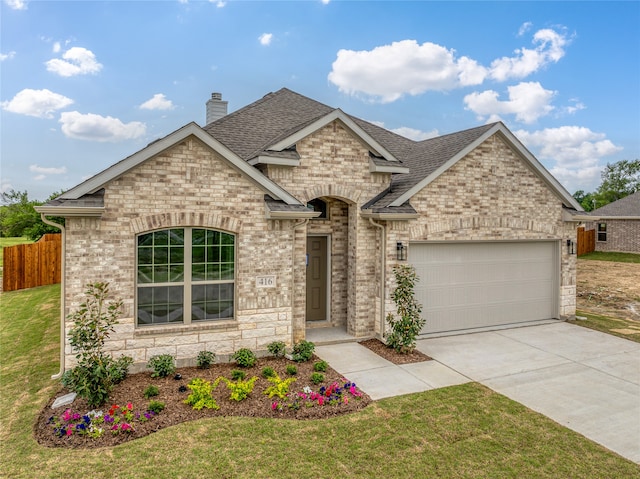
303,351
96,372
156,406
407,323
163,365
200,396
237,374
320,366
291,370
268,372
205,359
244,358
317,378
151,391
280,387
277,348
240,389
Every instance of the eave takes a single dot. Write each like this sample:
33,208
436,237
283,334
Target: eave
68,211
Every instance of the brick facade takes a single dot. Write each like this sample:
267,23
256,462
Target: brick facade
623,236
489,195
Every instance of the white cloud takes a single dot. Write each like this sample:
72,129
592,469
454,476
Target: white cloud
5,186
219,3
56,47
38,103
574,153
388,72
75,61
524,28
158,102
265,39
527,101
325,2
48,170
99,128
16,4
414,134
549,48
7,56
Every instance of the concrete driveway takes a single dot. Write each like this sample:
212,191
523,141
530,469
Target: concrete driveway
585,380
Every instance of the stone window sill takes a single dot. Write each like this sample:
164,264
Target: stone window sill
225,325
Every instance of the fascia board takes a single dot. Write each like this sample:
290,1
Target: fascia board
389,216
67,211
291,215
560,191
391,168
337,114
192,129
273,160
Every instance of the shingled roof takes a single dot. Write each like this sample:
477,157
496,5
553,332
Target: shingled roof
629,206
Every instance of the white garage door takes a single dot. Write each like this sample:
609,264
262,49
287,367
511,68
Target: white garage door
475,285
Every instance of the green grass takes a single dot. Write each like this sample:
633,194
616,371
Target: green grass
623,328
10,242
462,431
615,257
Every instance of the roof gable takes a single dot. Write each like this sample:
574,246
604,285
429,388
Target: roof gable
101,179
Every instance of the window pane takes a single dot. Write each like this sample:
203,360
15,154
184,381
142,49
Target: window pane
198,254
198,272
160,255
176,255
176,273
198,237
176,237
213,237
602,236
213,254
145,256
145,274
226,238
217,303
145,240
213,272
226,255
160,304
226,271
160,274
161,238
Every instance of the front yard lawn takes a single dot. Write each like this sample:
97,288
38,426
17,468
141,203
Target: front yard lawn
462,431
623,328
616,257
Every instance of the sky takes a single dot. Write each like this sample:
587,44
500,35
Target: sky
85,84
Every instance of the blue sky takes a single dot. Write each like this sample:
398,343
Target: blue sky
85,84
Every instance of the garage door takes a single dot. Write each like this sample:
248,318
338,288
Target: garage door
475,285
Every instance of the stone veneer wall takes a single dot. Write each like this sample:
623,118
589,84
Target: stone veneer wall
491,194
188,185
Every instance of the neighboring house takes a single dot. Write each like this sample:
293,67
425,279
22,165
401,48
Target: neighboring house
289,214
618,225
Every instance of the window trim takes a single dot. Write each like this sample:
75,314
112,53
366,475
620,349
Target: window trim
187,282
602,232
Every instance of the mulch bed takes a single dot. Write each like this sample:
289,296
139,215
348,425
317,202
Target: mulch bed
176,412
392,355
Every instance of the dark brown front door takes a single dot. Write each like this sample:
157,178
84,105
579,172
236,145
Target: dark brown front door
316,278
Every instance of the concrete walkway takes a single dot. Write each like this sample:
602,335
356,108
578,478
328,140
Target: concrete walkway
585,380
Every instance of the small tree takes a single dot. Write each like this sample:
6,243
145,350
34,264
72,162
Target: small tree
407,323
97,372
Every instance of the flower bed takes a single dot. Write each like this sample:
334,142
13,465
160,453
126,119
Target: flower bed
305,400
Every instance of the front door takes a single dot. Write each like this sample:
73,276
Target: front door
317,278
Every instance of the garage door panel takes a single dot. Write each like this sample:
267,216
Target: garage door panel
471,285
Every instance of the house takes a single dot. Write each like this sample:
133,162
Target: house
288,214
618,225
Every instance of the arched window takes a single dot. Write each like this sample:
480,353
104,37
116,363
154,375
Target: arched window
318,205
185,275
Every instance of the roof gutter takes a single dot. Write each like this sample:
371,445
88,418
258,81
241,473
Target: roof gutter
389,216
67,211
60,372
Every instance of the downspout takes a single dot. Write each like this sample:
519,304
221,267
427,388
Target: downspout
383,270
293,275
62,291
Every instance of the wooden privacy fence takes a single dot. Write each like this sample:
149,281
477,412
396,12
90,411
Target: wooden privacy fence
31,265
586,241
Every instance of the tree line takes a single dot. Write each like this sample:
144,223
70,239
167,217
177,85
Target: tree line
618,180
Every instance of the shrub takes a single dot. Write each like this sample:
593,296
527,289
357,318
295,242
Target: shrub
156,406
317,378
200,396
240,389
244,358
96,372
151,391
277,348
237,374
268,372
280,387
291,370
163,365
303,351
205,359
407,323
320,366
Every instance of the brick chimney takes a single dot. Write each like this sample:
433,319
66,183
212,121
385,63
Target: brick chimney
216,108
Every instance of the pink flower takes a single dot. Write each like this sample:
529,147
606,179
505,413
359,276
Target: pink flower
274,405
320,401
69,431
129,406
